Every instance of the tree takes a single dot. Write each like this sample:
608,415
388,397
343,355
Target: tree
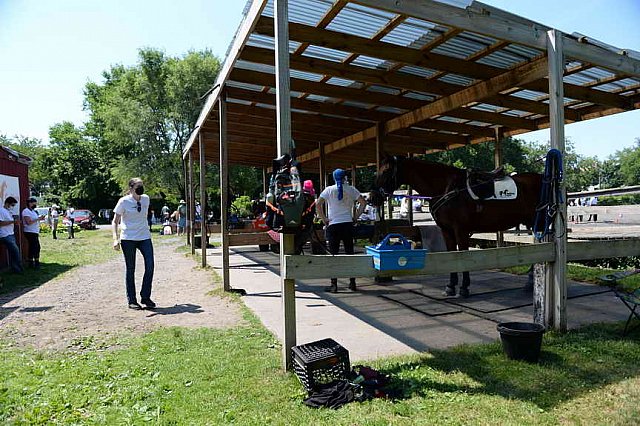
78,173
142,116
629,161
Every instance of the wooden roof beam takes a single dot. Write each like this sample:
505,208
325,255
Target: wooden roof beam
488,20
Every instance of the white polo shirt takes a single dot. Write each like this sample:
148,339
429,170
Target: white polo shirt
33,215
6,215
134,224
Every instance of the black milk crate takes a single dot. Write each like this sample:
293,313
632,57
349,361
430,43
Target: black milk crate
320,362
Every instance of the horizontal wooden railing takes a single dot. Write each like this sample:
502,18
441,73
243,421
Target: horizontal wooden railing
343,266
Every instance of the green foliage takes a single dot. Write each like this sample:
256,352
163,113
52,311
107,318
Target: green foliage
242,206
142,115
33,148
629,163
619,200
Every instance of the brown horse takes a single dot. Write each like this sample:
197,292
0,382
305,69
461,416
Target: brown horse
456,213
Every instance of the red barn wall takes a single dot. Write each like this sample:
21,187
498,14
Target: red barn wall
10,167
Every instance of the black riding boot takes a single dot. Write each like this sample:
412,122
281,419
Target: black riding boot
352,284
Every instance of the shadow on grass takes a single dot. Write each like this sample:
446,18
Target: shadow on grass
15,285
570,365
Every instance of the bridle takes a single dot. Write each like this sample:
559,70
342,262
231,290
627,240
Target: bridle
394,179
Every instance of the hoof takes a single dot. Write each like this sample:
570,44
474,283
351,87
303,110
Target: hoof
464,293
449,291
331,289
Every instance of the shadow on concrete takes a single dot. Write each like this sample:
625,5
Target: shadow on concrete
183,308
578,362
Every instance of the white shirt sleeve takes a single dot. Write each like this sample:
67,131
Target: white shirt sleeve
324,194
119,208
354,192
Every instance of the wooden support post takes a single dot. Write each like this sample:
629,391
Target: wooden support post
497,158
192,207
410,193
265,184
379,154
203,202
556,115
322,167
283,113
353,175
224,190
185,168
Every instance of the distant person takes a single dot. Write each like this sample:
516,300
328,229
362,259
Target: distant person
150,217
198,210
54,217
165,212
131,212
70,214
31,226
340,199
182,217
7,234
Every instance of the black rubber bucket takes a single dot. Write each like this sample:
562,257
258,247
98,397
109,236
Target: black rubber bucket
521,340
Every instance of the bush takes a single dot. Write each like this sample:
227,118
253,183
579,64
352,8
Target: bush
242,206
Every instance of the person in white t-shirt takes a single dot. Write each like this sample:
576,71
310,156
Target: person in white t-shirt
31,227
55,217
340,201
131,213
7,236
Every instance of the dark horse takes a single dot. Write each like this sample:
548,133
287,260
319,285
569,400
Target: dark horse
457,214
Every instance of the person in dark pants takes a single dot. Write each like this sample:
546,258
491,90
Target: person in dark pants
131,212
7,234
340,201
31,226
71,220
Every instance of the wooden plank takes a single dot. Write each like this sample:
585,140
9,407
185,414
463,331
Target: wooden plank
224,192
344,266
250,239
283,107
583,250
477,92
484,19
242,35
325,89
556,115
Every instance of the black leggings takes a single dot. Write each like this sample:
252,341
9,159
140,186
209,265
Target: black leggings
34,245
337,233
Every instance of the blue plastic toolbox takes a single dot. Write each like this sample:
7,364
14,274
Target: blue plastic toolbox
397,256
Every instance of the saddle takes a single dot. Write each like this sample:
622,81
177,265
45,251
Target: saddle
493,185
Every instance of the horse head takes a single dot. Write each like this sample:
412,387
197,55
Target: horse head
388,179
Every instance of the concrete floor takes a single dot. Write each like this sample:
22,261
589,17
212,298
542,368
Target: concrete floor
405,316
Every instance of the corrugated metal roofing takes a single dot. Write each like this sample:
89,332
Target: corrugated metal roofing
308,12
360,20
325,53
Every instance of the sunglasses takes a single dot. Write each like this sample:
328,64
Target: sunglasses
139,206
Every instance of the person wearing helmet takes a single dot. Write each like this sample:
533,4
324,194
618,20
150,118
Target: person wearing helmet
31,226
340,200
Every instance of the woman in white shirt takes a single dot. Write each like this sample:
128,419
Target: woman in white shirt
31,227
131,212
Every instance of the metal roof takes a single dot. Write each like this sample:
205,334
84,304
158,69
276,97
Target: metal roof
353,65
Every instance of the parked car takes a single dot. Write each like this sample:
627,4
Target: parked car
83,218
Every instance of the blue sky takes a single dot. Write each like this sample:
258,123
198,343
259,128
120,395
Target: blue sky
50,49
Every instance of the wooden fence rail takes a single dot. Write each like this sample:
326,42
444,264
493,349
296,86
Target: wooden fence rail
344,266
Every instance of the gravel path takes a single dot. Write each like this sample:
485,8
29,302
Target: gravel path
89,303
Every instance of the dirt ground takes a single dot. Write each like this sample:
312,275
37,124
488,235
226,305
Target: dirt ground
89,305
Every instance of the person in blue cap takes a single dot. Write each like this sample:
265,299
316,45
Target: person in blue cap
340,202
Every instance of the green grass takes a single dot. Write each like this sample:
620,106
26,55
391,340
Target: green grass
177,376
583,273
61,255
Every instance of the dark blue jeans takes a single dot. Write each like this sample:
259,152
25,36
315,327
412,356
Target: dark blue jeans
15,260
129,250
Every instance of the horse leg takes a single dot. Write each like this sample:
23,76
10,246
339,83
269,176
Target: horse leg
466,279
450,242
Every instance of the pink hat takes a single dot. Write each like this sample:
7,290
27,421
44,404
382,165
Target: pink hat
308,187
